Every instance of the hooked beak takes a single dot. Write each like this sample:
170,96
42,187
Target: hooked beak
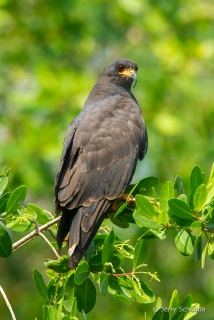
131,74
134,77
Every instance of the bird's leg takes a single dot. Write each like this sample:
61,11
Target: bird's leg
114,206
129,198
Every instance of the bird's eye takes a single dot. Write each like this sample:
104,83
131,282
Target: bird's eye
120,68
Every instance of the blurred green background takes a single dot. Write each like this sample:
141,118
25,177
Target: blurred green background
51,54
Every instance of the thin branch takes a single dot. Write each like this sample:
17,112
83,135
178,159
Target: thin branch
132,273
49,243
7,303
33,234
46,239
208,229
52,234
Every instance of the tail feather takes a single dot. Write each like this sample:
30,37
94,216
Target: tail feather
64,226
75,232
83,223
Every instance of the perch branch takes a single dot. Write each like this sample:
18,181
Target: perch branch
36,232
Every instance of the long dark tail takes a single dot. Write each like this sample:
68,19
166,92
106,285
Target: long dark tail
83,223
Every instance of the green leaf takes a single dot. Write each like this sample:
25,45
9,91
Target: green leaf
132,189
196,179
104,279
174,302
121,298
211,173
71,306
19,225
73,312
114,286
198,248
180,222
86,296
16,196
119,221
115,262
161,234
40,285
3,183
52,313
211,250
95,263
108,246
22,220
191,314
145,293
183,242
51,287
163,217
180,209
145,207
178,186
82,272
44,313
89,251
6,171
203,256
120,209
158,303
147,185
200,197
139,292
196,224
142,221
161,315
182,310
84,315
5,243
27,213
3,201
69,288
42,218
210,192
99,240
167,193
60,265
140,252
128,215
183,197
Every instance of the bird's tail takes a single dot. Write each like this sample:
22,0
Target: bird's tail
83,223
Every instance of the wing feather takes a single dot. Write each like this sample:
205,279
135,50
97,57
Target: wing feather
99,158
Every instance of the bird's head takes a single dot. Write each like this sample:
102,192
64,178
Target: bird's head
122,72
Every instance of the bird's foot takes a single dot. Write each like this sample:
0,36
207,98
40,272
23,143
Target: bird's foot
129,198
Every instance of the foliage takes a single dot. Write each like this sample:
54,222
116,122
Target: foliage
155,208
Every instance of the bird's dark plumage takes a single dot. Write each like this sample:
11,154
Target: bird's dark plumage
99,156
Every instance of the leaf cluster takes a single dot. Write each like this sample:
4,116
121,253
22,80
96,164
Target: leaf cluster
111,265
102,270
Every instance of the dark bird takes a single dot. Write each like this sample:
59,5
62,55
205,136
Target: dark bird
99,157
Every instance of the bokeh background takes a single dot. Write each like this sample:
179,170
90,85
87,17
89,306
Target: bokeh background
51,54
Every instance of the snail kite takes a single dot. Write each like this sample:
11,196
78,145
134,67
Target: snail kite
99,157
